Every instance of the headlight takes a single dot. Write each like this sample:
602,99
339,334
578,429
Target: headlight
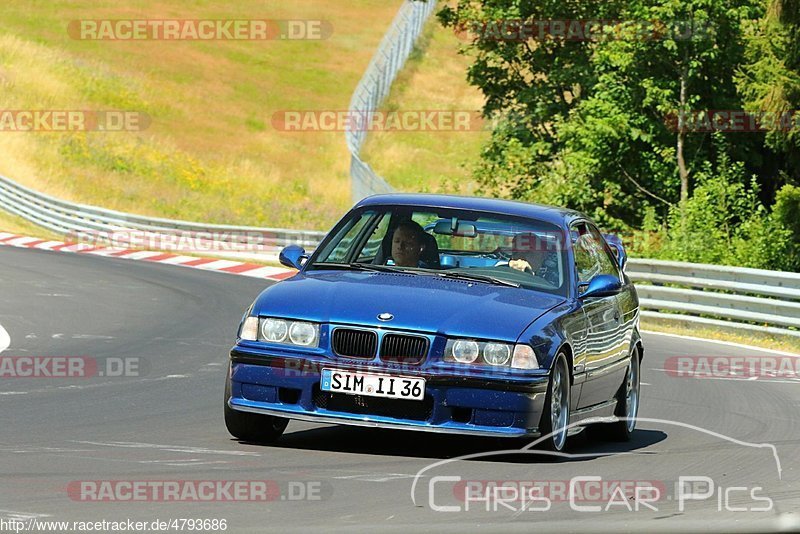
303,334
492,353
465,351
300,333
496,353
249,331
274,330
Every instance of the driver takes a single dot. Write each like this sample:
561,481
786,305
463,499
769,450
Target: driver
408,244
528,254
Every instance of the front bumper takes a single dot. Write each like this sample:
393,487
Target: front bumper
288,386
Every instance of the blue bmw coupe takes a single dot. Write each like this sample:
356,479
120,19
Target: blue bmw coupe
444,314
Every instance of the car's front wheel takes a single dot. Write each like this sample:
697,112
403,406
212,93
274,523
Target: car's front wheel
256,428
556,413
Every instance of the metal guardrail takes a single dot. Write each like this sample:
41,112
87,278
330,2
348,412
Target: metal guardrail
375,85
90,222
716,296
719,297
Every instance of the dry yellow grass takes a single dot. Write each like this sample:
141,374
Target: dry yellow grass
210,153
433,161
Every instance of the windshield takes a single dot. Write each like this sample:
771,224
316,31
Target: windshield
486,247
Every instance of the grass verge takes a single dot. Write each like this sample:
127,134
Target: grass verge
767,341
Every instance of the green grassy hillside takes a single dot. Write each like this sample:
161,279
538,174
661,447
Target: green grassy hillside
430,161
210,153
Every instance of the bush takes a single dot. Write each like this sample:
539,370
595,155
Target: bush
723,222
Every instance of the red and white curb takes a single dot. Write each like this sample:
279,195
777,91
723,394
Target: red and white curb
206,264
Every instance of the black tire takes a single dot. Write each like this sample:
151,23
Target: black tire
556,414
252,427
628,398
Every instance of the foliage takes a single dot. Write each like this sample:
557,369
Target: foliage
770,78
725,223
591,123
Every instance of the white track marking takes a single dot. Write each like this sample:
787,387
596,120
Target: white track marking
104,251
177,260
376,477
140,255
5,339
219,264
20,516
21,241
169,448
47,245
264,271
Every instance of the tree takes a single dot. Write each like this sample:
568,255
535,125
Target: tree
597,110
770,79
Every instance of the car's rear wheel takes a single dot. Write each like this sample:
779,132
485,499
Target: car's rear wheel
627,401
556,413
256,428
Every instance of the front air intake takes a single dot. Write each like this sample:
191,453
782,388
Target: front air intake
353,343
399,348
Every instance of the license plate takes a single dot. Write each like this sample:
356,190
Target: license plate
392,387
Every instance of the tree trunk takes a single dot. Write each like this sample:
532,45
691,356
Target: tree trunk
684,174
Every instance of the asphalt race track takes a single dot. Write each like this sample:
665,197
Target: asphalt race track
163,421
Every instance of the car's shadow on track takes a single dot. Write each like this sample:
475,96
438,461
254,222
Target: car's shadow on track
584,446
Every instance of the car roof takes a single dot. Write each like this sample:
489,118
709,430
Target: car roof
541,212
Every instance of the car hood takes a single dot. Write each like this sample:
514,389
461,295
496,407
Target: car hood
421,303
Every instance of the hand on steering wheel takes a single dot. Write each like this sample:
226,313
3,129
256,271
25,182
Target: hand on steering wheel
521,265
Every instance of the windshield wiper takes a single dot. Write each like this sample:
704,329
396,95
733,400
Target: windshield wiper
478,278
373,267
441,274
361,267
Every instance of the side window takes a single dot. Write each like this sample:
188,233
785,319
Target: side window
608,263
591,256
375,240
345,239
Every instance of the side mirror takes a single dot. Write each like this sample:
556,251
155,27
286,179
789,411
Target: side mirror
293,256
602,285
620,254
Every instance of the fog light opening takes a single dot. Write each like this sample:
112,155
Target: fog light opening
461,415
